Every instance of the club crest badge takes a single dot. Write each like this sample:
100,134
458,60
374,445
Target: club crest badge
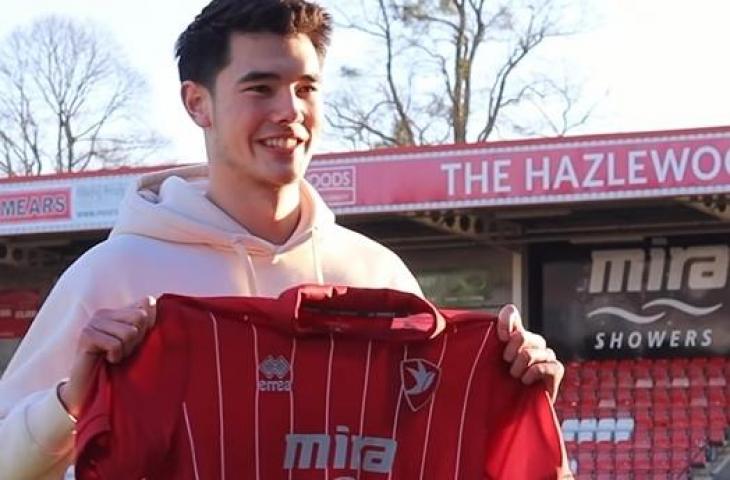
419,379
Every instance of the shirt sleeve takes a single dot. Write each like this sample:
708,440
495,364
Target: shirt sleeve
129,417
524,440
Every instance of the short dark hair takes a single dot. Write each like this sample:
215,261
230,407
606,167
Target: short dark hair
203,49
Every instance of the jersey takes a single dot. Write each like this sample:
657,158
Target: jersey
327,383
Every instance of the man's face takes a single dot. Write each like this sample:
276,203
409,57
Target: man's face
266,108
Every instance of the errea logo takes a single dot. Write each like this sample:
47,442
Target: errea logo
275,371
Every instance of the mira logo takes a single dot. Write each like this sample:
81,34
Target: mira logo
699,268
341,451
659,269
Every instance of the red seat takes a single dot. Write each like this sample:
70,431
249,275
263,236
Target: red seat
642,398
660,460
717,415
698,419
696,375
604,365
663,475
642,442
661,439
588,390
587,468
680,439
587,410
605,463
567,412
697,459
664,382
660,396
679,460
678,396
625,380
642,463
624,446
717,436
681,422
679,412
623,462
716,396
698,437
572,449
661,417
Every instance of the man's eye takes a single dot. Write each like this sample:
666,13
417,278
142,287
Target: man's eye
308,89
258,89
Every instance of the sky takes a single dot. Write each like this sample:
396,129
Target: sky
650,64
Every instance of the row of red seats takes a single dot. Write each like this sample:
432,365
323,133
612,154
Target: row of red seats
606,409
716,395
635,446
644,440
647,382
660,458
626,462
628,363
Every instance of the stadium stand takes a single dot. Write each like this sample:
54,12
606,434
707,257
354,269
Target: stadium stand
645,419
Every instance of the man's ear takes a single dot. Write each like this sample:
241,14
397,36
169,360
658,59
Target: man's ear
197,101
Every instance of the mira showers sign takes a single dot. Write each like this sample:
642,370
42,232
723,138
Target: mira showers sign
653,300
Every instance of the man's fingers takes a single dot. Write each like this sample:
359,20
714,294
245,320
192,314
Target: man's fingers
533,340
550,372
128,326
111,333
515,343
106,343
142,315
508,321
526,357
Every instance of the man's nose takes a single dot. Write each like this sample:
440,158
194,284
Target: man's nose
288,107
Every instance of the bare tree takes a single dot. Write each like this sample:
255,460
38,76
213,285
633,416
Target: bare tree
68,101
452,70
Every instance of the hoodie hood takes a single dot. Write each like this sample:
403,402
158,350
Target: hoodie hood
171,205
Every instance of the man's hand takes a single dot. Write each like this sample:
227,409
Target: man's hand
527,352
114,334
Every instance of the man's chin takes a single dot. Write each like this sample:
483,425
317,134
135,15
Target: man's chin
283,179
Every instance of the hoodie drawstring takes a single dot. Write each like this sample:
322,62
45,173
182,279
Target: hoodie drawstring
242,251
315,257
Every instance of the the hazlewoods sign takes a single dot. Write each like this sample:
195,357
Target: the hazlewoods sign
655,301
531,172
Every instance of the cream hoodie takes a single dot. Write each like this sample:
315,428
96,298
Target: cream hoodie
168,238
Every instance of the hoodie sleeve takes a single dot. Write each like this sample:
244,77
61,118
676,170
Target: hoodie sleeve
36,434
403,279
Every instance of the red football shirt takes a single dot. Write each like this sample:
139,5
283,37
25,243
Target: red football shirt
323,383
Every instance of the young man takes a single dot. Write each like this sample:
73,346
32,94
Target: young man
245,224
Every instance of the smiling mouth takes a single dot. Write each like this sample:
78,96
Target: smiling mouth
282,143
